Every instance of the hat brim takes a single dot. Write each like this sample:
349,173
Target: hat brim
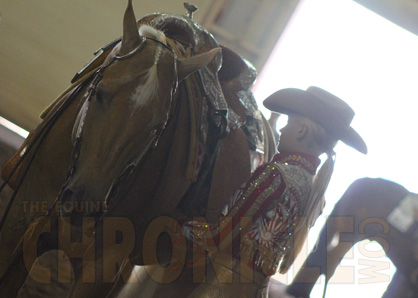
297,101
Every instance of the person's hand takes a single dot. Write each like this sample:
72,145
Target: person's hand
195,231
187,229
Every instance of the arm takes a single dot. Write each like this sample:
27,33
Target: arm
263,190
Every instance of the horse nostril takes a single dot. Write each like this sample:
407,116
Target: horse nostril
67,195
72,199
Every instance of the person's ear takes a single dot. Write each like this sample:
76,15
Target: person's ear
302,131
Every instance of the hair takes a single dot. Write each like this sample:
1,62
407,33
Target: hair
324,143
145,92
148,31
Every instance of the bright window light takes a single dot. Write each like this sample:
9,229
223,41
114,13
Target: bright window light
13,127
372,64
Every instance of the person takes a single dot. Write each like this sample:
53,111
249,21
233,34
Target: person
267,220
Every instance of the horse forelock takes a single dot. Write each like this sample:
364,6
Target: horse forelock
148,89
145,92
148,31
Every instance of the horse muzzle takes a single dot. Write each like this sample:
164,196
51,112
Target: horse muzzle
74,203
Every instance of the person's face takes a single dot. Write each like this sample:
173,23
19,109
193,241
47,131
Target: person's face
289,135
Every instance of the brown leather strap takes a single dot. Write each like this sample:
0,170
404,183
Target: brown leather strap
8,167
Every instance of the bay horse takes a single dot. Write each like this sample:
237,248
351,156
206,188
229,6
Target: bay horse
142,138
369,209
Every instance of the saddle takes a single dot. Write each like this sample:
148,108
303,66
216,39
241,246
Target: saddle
225,84
226,81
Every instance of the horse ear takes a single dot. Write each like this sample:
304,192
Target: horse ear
131,38
187,66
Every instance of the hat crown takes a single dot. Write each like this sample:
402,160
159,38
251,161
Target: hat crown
322,107
341,109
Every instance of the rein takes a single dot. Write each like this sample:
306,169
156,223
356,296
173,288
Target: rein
97,77
38,137
151,141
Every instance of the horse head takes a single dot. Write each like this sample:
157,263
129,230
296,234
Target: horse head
125,109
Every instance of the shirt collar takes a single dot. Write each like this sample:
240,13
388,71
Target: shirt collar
308,162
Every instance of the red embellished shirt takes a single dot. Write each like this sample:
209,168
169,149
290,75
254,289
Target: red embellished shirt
270,201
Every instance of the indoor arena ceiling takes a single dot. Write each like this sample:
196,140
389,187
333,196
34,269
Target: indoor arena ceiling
43,43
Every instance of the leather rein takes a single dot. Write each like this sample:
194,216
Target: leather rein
151,140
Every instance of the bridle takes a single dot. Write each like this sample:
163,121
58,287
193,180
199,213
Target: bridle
151,141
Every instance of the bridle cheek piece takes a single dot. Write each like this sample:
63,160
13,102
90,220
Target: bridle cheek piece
151,140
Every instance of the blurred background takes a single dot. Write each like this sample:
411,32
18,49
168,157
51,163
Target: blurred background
364,51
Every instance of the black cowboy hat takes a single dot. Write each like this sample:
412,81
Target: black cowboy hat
322,107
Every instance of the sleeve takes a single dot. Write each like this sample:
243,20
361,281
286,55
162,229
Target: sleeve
238,194
265,185
270,236
275,227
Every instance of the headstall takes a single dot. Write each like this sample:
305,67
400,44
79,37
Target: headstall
150,142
